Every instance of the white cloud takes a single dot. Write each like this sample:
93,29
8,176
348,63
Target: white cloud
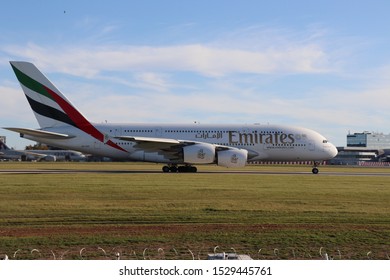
204,59
14,105
229,73
153,81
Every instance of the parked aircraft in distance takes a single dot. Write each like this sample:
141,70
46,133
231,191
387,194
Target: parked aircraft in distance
178,146
39,155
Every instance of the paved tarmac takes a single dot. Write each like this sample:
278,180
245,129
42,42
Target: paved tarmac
243,172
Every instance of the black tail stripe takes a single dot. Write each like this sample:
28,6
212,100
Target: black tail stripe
49,112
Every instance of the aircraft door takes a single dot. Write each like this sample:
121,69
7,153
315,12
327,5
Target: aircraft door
158,131
118,131
311,145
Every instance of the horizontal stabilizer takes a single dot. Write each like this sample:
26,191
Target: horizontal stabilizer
39,133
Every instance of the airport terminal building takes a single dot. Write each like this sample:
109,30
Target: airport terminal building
365,148
369,140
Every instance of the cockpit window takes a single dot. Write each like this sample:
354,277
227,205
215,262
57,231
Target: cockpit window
325,141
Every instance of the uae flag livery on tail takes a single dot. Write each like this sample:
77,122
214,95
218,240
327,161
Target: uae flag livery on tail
50,106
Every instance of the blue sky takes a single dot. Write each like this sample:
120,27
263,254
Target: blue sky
324,65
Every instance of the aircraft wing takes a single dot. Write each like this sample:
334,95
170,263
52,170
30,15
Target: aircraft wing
164,143
170,148
38,155
153,144
140,140
39,133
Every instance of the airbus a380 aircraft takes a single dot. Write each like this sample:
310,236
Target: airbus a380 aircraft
179,146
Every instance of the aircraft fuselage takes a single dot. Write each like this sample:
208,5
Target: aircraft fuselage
263,142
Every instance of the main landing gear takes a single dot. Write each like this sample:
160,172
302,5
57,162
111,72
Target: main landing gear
315,167
180,169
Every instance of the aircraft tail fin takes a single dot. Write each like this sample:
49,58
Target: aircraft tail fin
50,106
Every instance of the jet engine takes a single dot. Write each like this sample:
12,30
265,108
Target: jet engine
232,158
201,153
49,158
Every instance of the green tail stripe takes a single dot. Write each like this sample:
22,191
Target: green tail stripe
31,83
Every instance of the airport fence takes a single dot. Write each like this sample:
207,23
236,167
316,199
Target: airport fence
172,253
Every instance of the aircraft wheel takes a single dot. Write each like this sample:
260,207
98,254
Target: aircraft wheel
173,169
165,169
315,170
182,169
187,169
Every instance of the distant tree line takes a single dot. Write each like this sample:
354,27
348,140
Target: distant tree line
40,146
37,146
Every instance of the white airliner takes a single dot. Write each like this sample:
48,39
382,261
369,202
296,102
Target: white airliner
178,146
39,155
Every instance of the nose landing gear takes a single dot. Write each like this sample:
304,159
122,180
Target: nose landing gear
315,167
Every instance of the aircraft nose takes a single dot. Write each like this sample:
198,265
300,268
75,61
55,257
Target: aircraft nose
331,151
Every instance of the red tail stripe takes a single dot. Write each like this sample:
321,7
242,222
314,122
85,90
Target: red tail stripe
81,122
76,117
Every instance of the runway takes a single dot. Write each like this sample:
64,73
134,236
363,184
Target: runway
361,172
133,206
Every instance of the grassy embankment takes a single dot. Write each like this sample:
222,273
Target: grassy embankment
286,216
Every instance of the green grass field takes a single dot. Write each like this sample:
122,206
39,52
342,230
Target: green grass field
172,216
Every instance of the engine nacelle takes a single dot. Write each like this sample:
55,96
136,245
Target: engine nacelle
150,157
233,158
201,153
49,158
